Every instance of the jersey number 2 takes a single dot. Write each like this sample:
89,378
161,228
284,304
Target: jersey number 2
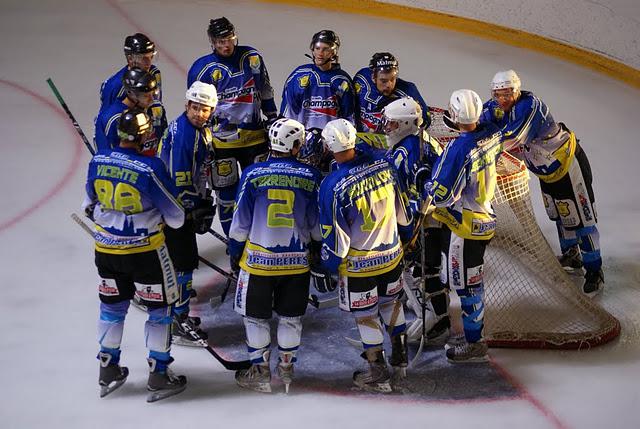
278,213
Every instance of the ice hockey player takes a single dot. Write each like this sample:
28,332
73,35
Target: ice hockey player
186,151
131,197
378,85
317,93
139,51
461,188
549,150
360,209
141,89
274,229
244,91
413,154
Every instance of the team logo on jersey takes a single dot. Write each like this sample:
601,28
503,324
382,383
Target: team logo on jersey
239,95
254,63
371,120
223,168
569,212
344,87
563,208
216,75
303,81
358,88
498,113
322,106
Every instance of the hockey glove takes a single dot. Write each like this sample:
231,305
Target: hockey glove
235,249
202,216
323,281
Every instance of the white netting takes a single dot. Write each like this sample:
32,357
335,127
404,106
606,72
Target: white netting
530,300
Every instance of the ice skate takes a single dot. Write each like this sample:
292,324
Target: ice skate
285,369
257,378
112,375
162,385
399,359
184,335
593,283
376,378
571,260
468,353
439,333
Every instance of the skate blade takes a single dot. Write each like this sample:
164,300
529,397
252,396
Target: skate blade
482,359
376,387
286,388
105,390
138,306
180,341
158,395
257,387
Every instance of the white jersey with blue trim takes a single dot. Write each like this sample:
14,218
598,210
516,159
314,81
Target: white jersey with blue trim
361,206
531,133
315,97
131,197
276,214
371,101
464,181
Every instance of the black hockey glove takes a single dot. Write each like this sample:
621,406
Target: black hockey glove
323,281
202,216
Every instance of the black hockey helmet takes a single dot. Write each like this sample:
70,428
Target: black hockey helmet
325,36
138,44
138,80
383,61
220,28
133,125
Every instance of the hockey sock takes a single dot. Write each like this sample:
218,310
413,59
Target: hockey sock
289,334
590,248
111,324
392,314
185,282
157,330
258,338
226,201
567,238
472,312
370,331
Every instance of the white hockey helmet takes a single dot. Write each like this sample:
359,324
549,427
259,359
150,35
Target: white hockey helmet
407,113
506,79
203,93
339,135
284,133
465,106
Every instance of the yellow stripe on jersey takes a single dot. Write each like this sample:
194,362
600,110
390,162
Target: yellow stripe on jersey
243,138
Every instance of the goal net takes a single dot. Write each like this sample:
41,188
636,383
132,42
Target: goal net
530,301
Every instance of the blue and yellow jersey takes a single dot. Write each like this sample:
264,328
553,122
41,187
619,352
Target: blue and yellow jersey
361,206
371,101
244,90
184,150
530,132
315,97
276,215
106,127
112,89
464,180
133,197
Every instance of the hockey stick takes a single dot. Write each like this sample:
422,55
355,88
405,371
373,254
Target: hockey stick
84,138
228,364
219,236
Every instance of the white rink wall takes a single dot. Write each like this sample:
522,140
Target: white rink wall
608,27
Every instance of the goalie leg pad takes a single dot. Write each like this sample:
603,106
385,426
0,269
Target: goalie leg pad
258,338
111,324
157,330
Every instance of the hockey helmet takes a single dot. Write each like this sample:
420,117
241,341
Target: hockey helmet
504,80
285,133
220,28
326,36
465,106
401,118
203,93
133,125
339,135
383,61
138,44
139,81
